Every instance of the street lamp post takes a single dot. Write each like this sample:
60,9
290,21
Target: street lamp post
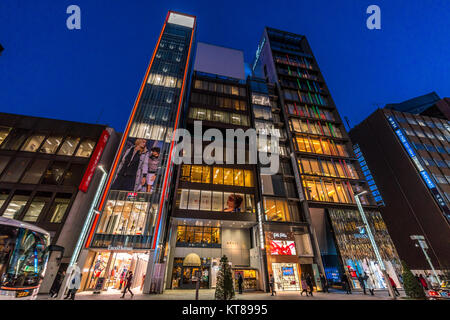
81,239
423,245
374,244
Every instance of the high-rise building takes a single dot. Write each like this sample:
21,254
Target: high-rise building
129,228
327,174
49,178
172,224
214,208
408,156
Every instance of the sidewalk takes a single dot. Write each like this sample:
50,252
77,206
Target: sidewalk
208,294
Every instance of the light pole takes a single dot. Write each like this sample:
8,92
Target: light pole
423,245
81,239
374,244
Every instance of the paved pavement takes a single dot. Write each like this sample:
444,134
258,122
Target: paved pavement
208,294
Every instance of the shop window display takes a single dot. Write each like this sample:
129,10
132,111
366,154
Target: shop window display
356,250
250,278
286,276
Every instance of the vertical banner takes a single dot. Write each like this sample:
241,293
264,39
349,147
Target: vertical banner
95,158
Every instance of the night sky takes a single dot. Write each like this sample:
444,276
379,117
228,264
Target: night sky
93,74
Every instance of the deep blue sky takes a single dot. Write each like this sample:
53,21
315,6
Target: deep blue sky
94,74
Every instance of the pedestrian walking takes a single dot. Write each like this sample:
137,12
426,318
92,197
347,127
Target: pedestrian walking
309,282
346,284
370,286
240,282
394,286
304,285
129,281
362,283
324,281
74,284
272,285
57,284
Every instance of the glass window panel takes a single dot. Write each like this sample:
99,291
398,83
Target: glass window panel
4,131
32,144
34,174
331,192
198,231
181,233
15,139
3,196
341,193
51,144
217,204
184,199
228,176
74,175
194,199
217,175
35,209
206,175
306,166
215,235
206,235
15,170
16,206
235,90
228,202
238,177
85,148
54,173
270,209
3,162
248,178
196,174
69,146
315,166
205,203
189,234
59,208
186,173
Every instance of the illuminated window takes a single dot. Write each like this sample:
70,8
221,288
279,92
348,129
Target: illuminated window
276,210
69,146
4,131
196,174
238,177
51,144
228,176
85,149
248,178
32,144
218,175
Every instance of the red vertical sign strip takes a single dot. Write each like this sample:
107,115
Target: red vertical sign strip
95,158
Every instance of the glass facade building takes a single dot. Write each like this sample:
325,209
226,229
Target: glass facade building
327,173
133,208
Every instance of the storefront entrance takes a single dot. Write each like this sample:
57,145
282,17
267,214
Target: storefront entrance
286,276
108,270
184,277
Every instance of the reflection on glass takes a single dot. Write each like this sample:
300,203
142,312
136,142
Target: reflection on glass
4,131
51,144
32,144
15,207
58,209
15,170
69,146
34,174
85,148
34,209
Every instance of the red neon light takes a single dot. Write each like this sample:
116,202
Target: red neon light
95,158
169,163
125,134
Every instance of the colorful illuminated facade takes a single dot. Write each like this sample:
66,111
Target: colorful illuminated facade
132,210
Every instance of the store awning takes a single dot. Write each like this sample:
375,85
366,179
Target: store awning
192,260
